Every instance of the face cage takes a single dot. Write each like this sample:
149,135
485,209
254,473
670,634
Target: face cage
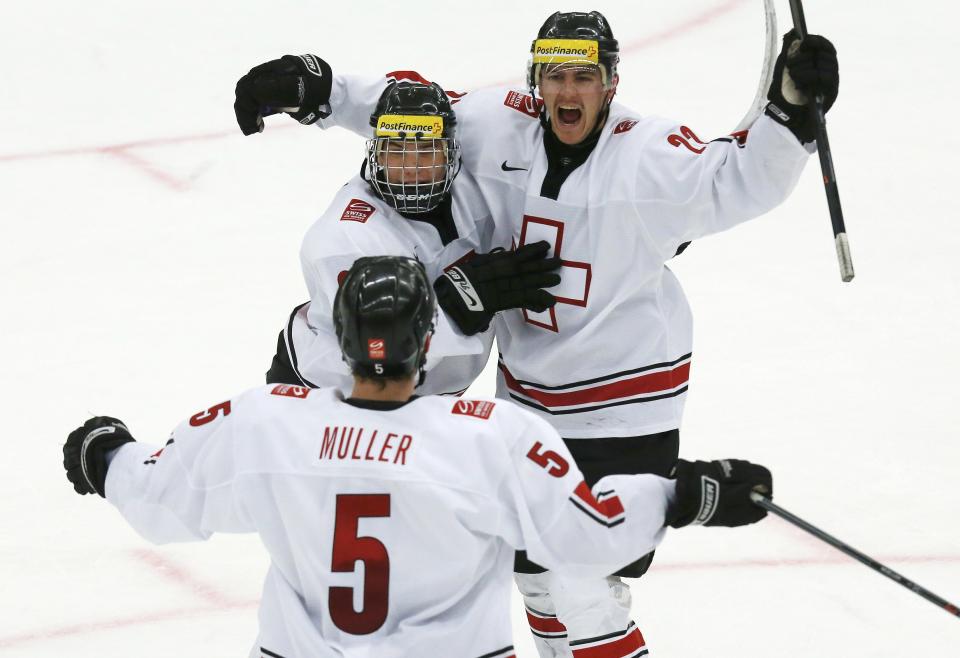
408,158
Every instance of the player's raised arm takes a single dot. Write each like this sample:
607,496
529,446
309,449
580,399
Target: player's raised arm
180,492
306,88
687,188
566,526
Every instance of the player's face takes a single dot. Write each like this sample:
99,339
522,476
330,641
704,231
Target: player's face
574,97
414,161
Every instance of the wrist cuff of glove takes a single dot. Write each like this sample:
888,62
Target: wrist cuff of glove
795,117
316,81
93,455
697,496
461,302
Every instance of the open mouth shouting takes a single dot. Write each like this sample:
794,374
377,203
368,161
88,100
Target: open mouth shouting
568,115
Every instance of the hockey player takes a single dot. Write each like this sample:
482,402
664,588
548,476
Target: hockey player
404,203
431,495
616,194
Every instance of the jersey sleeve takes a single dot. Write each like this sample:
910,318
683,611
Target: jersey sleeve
184,491
688,189
567,527
353,98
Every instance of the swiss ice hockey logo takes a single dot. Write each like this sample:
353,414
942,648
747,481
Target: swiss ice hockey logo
523,103
624,126
476,408
290,391
357,211
376,348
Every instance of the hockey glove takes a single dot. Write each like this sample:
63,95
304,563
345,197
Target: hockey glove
718,493
803,70
472,293
84,453
296,84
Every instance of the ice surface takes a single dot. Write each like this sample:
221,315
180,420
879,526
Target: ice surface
148,256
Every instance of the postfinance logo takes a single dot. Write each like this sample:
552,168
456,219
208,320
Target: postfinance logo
399,125
558,51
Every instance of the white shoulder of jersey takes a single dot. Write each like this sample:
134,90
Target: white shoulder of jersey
502,108
355,222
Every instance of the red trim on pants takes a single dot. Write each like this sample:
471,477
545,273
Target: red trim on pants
620,647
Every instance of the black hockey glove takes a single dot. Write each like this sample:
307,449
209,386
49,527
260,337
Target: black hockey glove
472,293
718,493
803,70
84,453
296,84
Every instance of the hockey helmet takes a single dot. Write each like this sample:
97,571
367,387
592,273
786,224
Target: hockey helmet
413,156
574,38
383,314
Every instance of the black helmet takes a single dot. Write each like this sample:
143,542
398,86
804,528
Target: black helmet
414,137
383,314
555,44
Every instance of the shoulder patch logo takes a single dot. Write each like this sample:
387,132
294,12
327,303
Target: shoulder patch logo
523,103
476,408
289,391
357,210
624,126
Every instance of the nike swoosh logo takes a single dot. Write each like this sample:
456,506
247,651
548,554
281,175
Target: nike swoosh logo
506,167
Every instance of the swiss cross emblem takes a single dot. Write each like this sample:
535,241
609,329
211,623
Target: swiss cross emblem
574,287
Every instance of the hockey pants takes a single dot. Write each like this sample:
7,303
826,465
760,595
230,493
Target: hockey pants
573,617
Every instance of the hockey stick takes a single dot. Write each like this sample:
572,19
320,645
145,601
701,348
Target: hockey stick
766,504
770,51
826,163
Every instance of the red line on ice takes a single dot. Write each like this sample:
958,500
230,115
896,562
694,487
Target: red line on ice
175,573
54,633
671,32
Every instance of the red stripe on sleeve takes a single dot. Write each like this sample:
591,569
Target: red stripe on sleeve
609,508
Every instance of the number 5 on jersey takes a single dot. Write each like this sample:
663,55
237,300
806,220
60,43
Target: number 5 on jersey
348,549
549,460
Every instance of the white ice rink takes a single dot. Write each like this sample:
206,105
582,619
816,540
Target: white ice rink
148,255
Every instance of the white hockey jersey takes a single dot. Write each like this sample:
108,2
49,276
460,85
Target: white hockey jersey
391,529
358,223
612,358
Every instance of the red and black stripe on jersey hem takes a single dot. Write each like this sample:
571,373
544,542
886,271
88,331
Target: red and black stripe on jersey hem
605,508
506,652
670,381
628,643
